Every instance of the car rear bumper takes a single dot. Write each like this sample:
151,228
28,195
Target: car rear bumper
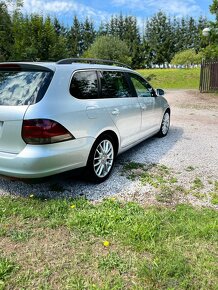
36,161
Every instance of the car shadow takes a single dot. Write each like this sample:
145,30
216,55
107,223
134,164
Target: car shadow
153,149
74,185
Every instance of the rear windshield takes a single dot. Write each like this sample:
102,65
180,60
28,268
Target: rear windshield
19,88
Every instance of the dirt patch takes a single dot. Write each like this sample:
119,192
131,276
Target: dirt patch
192,99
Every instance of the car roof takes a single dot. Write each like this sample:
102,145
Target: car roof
78,66
56,66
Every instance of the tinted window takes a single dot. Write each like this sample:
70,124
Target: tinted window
114,85
84,85
23,87
143,89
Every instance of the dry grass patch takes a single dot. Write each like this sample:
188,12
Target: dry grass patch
148,248
59,259
43,259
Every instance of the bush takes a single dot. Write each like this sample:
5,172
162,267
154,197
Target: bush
211,52
187,57
111,48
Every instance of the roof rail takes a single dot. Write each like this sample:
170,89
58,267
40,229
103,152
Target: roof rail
91,60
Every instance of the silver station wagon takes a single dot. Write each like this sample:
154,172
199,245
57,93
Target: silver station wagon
75,113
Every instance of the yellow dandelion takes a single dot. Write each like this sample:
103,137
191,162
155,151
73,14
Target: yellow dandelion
31,195
113,198
106,243
73,206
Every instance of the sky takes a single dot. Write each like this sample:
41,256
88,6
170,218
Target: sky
101,10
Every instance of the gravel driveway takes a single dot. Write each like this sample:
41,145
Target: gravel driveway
182,167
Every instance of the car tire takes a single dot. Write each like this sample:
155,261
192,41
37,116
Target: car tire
101,159
165,125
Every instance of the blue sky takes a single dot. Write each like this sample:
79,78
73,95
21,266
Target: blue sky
101,10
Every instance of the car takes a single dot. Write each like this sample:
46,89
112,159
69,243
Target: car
74,113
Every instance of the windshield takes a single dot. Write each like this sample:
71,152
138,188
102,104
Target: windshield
19,88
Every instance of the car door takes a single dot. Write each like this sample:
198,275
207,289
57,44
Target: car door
149,104
122,105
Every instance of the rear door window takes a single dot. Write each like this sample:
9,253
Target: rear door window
22,87
114,85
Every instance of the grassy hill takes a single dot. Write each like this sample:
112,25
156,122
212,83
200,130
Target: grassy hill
172,78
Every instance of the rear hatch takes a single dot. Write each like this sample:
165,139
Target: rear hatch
21,85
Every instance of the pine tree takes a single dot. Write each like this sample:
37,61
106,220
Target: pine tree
159,35
6,37
59,49
75,38
22,39
87,34
214,9
102,30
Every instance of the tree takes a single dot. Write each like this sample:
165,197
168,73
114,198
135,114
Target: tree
35,37
187,57
22,41
75,38
132,38
87,34
6,37
211,50
126,29
159,35
214,9
201,42
111,48
59,49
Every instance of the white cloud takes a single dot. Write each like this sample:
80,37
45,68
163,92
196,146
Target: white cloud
64,8
177,7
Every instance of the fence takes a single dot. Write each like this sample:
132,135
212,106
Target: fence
209,76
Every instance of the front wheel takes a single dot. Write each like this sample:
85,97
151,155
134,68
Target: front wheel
101,159
165,125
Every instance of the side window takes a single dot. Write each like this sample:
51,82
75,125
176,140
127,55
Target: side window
84,85
114,85
143,89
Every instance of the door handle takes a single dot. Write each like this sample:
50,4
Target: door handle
115,112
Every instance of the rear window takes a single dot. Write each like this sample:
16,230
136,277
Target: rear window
19,88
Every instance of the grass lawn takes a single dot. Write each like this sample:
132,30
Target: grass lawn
172,78
74,244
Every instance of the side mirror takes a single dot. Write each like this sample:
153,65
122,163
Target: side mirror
160,92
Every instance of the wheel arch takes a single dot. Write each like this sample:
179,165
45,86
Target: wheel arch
167,110
114,136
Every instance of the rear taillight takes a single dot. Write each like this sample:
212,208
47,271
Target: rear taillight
43,131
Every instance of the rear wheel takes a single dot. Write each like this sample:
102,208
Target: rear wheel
165,125
101,159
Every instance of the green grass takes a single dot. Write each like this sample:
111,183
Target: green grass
214,194
214,198
172,78
197,183
6,269
59,244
